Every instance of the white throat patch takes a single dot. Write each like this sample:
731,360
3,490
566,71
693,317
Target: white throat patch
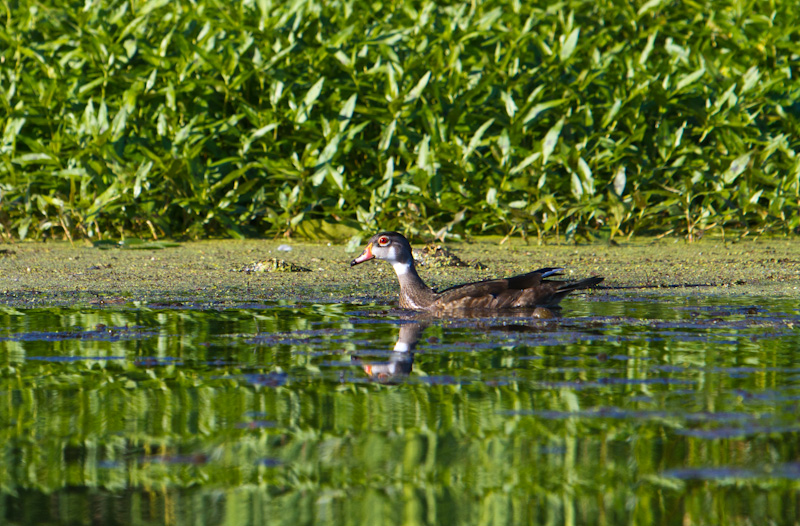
401,268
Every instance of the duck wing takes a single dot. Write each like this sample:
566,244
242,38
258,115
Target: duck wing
525,290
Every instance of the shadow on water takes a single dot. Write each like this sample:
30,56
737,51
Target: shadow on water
657,410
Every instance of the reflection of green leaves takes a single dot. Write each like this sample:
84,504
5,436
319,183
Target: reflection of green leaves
115,407
187,119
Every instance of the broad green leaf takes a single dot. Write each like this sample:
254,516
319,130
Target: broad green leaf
586,174
35,158
102,117
568,47
539,108
728,97
337,176
347,110
690,79
169,93
353,131
354,244
275,92
118,124
736,168
24,225
330,149
130,47
534,94
318,177
343,58
416,92
550,140
648,48
491,196
504,145
678,135
151,80
391,83
649,5
476,139
72,172
423,159
751,78
388,174
141,176
10,133
161,125
388,177
489,18
619,181
527,161
304,111
389,38
260,132
89,119
149,6
609,117
109,195
408,188
89,86
184,132
508,100
386,136
165,42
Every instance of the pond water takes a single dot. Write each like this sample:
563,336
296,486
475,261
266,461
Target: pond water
627,410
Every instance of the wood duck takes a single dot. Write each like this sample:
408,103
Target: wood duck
529,290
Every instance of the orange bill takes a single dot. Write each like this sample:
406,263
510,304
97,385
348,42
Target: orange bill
365,256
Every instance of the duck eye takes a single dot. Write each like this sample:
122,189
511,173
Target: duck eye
383,241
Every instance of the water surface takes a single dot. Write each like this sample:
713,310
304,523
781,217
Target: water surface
654,410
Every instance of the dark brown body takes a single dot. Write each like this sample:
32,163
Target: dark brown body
524,291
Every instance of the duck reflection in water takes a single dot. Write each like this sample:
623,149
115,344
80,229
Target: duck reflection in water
401,360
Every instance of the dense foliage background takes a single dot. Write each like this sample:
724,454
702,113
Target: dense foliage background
205,118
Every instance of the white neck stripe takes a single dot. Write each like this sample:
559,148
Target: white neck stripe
401,268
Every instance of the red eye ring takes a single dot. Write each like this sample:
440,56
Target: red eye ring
383,241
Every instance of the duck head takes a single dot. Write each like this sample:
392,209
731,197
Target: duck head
387,246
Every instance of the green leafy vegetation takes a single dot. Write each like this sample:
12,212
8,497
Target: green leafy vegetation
206,118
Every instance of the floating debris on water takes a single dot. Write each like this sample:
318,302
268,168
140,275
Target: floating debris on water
543,313
273,265
438,256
